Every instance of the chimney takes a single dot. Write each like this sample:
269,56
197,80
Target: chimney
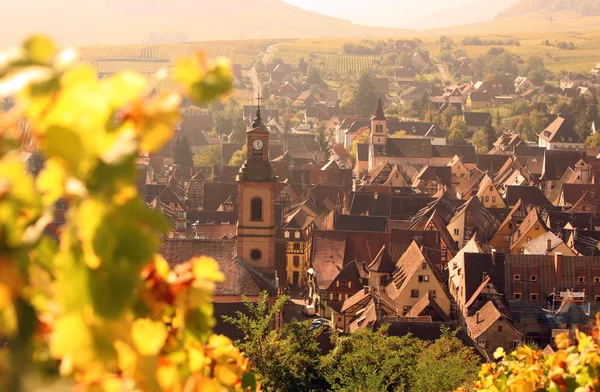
376,195
558,263
549,245
493,256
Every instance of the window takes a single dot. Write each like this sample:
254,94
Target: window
286,234
432,293
296,246
516,343
510,225
255,254
597,298
296,261
456,232
491,188
406,309
506,238
423,278
533,278
517,277
534,296
581,279
499,328
482,342
344,283
517,295
537,227
336,297
256,214
596,279
424,266
414,293
297,234
494,199
487,198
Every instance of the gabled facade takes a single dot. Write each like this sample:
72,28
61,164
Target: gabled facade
416,277
488,194
298,233
531,228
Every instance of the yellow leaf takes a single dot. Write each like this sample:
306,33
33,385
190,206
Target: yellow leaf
123,88
499,353
155,135
162,267
206,268
197,360
71,337
127,358
168,377
40,49
148,336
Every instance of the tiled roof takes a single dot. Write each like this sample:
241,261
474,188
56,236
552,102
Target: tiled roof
428,302
560,130
382,262
483,319
539,246
556,162
239,278
361,223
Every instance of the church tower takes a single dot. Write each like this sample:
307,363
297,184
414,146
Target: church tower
256,197
378,127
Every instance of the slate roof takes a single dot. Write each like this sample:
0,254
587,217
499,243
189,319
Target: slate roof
361,223
529,195
476,119
375,204
556,162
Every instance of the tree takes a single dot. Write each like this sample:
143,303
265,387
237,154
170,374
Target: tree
223,123
480,141
182,151
361,138
208,157
238,135
286,360
303,65
313,76
368,360
239,157
593,140
118,315
445,365
456,138
323,143
490,133
365,96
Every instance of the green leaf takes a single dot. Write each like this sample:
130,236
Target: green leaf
249,381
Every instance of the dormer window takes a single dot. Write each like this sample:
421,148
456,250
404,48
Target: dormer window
286,234
297,234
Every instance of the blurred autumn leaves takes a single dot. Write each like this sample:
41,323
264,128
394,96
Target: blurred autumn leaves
100,305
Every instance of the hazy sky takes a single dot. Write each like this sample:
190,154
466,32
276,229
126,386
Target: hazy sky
370,12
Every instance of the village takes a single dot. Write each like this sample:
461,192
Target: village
414,204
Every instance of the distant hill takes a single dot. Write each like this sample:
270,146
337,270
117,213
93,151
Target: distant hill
522,7
474,12
95,22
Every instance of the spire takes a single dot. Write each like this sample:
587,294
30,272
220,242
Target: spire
257,123
379,116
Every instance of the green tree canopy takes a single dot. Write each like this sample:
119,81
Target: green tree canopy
365,95
239,157
182,151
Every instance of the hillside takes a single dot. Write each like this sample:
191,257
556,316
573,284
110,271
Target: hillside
522,7
111,22
474,12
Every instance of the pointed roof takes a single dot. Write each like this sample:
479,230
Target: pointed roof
426,304
530,220
382,263
379,116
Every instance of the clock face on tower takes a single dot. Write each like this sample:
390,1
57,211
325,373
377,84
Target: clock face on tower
258,144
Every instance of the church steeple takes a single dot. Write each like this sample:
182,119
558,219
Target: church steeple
257,123
379,116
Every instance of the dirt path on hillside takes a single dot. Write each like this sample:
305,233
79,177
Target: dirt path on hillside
268,53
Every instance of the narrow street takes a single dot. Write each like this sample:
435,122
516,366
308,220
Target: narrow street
445,74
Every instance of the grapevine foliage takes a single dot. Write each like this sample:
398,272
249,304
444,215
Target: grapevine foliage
99,306
574,367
